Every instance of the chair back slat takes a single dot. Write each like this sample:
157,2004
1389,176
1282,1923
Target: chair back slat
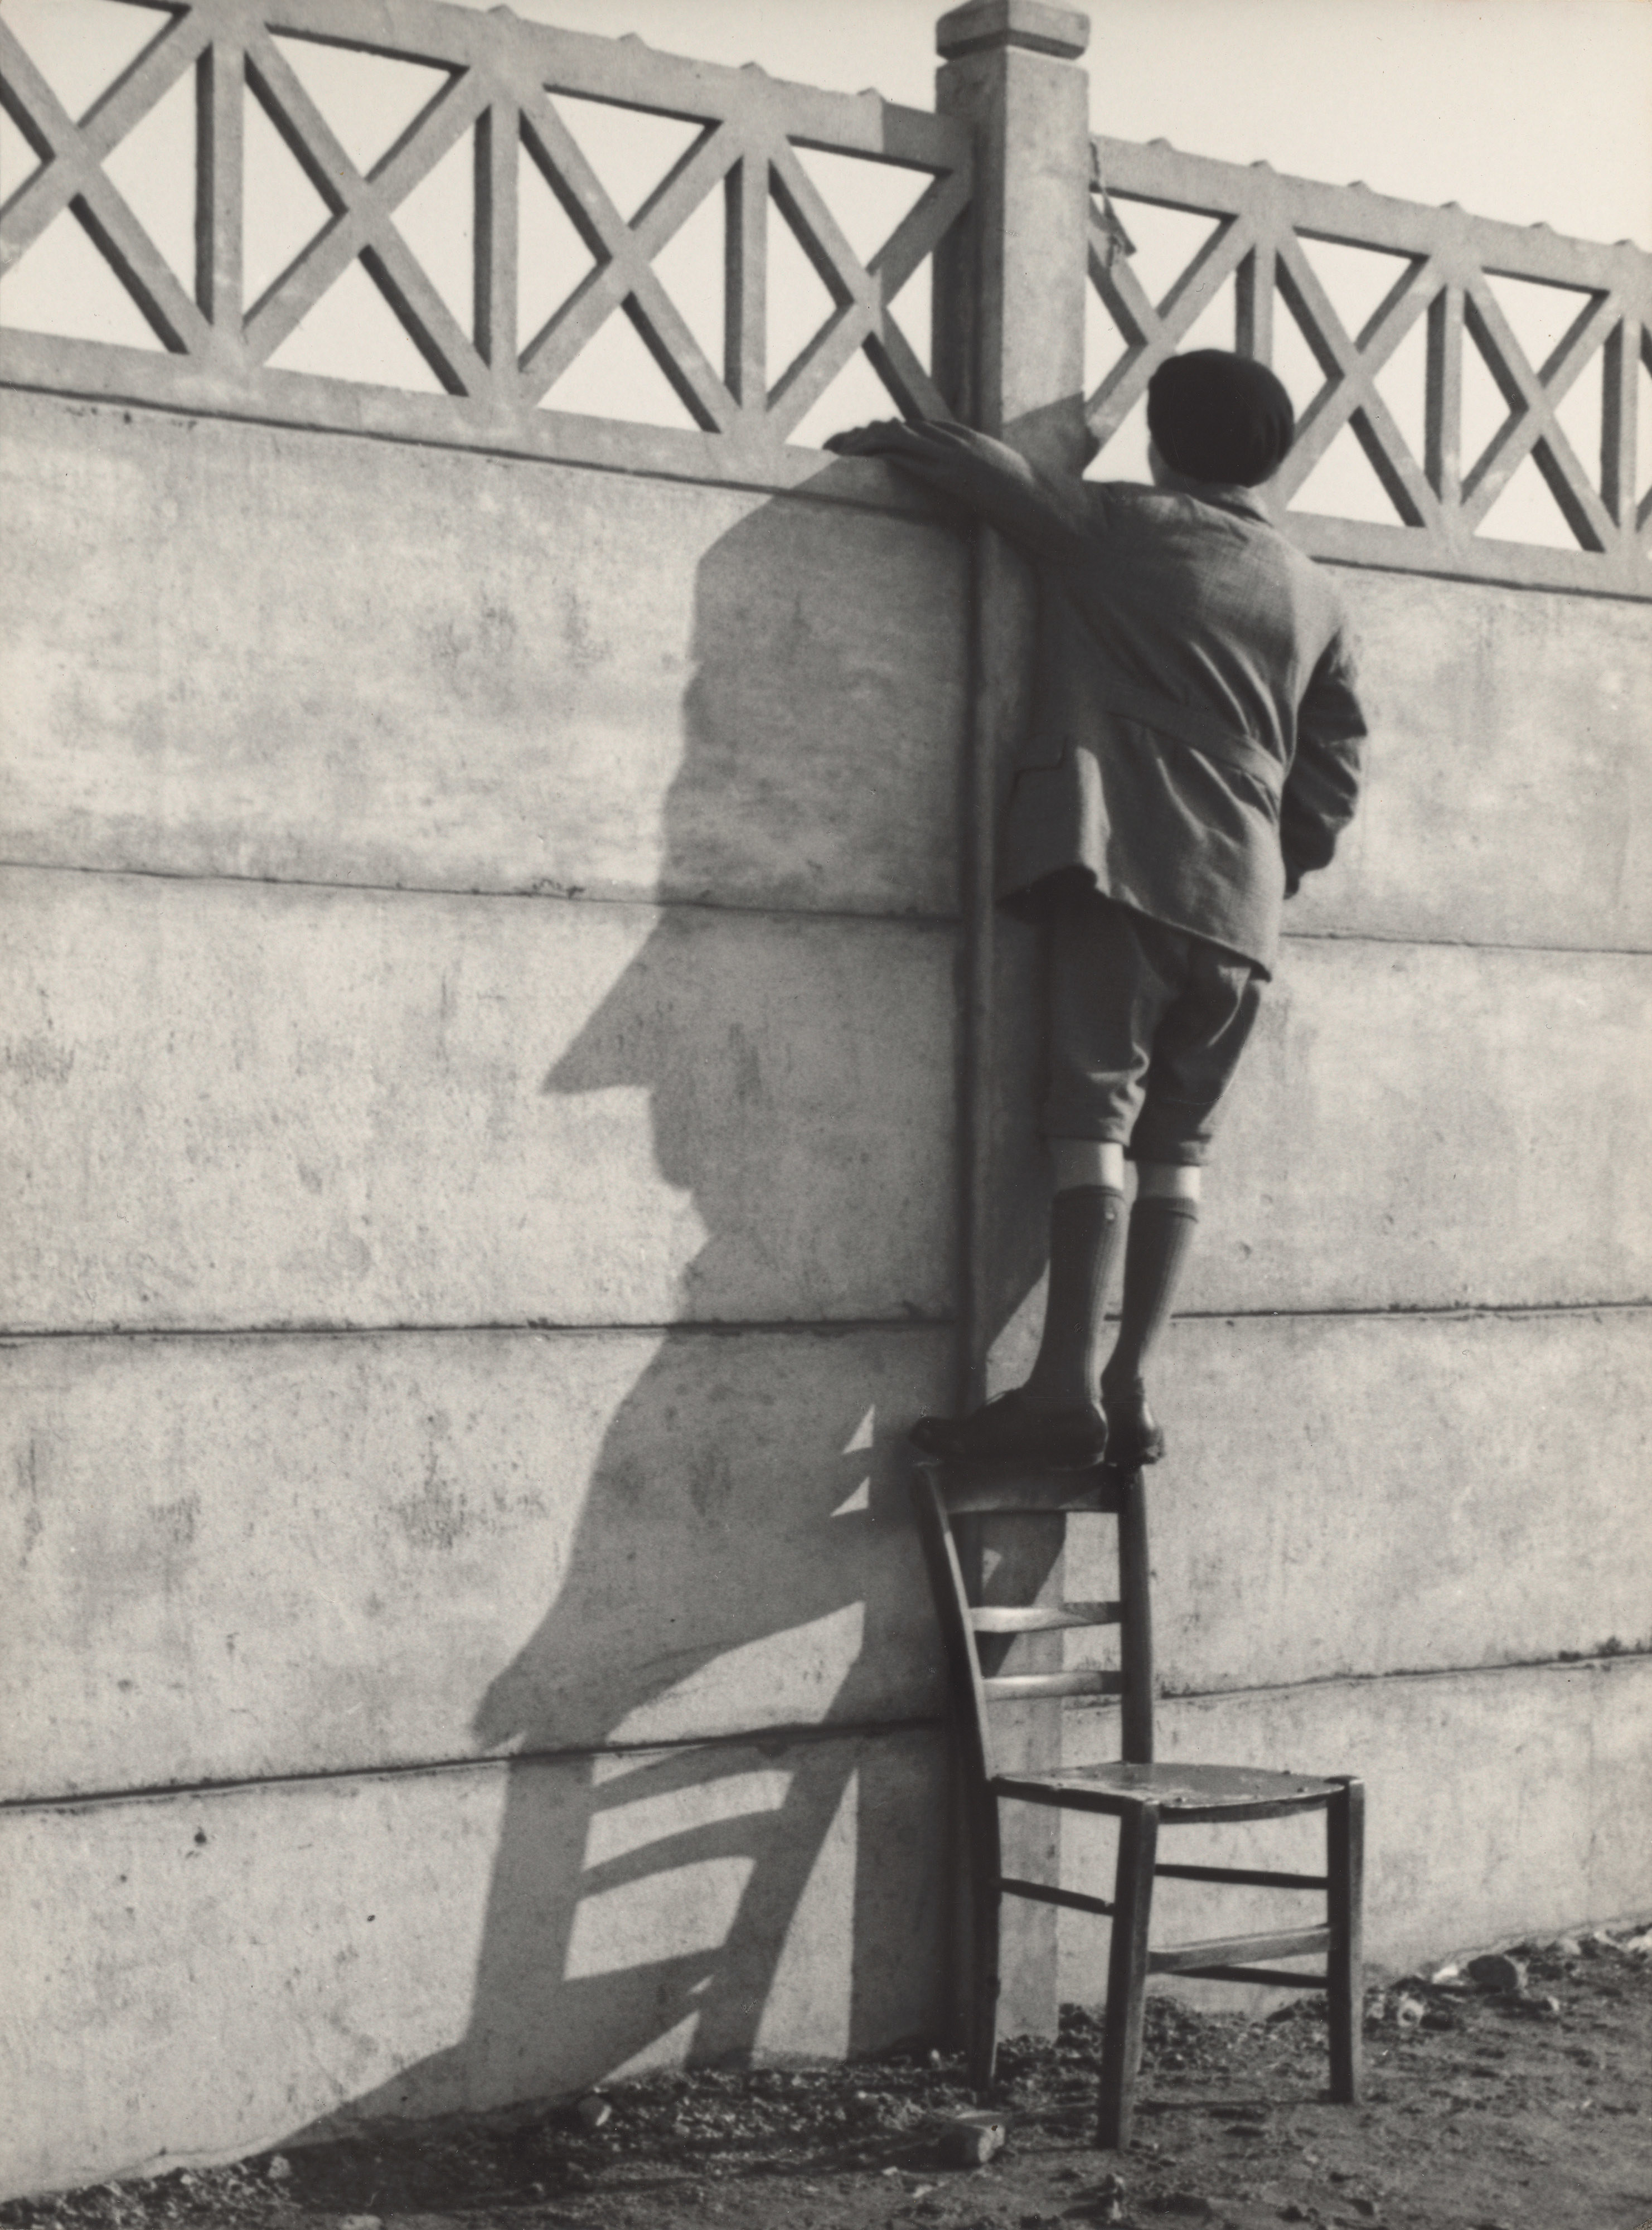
1042,1618
945,1494
1024,1687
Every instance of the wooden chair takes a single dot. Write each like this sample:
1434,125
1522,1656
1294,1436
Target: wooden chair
1143,1796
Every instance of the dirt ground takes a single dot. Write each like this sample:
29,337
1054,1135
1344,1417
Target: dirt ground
1487,2108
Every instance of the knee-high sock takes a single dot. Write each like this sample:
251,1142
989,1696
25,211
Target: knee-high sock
1161,1231
1086,1225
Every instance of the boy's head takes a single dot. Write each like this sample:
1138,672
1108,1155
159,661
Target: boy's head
1216,417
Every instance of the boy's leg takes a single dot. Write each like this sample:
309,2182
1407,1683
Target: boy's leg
1086,1227
1162,1224
1195,1053
1105,999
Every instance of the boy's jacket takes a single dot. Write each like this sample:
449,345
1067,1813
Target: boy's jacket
1194,744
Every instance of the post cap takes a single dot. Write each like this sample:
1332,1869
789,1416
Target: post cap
1032,24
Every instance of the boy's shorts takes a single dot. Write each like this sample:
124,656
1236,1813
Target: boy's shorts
1146,1026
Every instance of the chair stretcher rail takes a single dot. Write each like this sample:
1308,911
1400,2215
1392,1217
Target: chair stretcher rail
1074,1900
1278,1977
1243,1877
1043,1618
1293,1943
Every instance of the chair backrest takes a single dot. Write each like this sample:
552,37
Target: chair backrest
953,1504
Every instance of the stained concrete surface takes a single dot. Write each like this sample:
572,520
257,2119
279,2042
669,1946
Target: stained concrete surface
1431,1126
1508,796
266,1101
416,1942
556,649
204,1974
240,1103
556,679
240,1557
229,1555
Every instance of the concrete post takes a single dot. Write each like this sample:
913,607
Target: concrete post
1009,73
1009,355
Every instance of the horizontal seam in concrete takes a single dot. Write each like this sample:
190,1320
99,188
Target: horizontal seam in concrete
1460,943
1639,1655
786,1327
667,904
471,891
769,1327
1611,595
789,1736
1461,1311
906,513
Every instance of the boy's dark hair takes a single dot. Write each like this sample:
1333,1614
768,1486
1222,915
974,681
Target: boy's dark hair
1216,416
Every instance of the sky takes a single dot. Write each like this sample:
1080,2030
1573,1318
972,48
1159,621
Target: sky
1522,110
1525,110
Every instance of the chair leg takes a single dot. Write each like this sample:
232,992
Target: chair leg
986,1912
1345,1838
1132,1899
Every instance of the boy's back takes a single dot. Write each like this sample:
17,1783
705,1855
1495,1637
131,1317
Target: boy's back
1201,600
1194,714
1193,751
1194,744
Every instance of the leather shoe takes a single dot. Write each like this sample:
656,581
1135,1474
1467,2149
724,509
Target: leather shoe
1012,1429
1134,1435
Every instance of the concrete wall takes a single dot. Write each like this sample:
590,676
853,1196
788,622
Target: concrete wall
481,1072
482,1088
211,1973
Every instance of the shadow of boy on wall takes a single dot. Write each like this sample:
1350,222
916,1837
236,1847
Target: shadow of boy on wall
743,1554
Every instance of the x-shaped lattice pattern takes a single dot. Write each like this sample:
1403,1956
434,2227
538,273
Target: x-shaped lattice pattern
500,73
1260,221
71,173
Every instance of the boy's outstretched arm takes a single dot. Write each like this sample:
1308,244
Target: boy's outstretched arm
987,477
1323,786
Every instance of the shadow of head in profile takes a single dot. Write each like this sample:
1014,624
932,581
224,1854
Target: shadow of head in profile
664,1884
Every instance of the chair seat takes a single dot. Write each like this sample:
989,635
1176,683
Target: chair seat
1182,1792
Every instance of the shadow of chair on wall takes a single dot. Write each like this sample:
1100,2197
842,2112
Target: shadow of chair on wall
685,1539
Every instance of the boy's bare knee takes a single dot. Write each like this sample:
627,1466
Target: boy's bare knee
1168,1181
1086,1162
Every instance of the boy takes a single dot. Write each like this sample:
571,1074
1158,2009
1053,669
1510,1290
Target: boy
1193,753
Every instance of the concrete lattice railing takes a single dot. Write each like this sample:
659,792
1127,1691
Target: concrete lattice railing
499,75
1442,498
499,71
